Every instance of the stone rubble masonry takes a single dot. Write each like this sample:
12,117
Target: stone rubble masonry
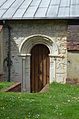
55,29
1,52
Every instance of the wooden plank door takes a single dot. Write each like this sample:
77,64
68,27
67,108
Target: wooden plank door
39,70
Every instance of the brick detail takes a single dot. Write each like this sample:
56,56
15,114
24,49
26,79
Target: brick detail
73,37
1,27
14,88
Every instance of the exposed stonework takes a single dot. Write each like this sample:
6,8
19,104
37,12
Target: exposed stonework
25,51
56,30
1,52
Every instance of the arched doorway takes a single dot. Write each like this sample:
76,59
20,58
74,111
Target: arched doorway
26,49
39,67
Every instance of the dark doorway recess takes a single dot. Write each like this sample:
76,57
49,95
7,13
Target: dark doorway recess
40,65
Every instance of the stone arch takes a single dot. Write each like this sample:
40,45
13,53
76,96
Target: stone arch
30,41
25,52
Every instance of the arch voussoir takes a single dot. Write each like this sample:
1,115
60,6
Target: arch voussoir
30,41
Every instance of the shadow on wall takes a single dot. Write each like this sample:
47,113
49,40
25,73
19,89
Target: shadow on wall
15,59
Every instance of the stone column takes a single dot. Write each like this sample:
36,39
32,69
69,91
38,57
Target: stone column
52,68
28,72
23,85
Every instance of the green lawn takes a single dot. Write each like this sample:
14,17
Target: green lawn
59,102
5,84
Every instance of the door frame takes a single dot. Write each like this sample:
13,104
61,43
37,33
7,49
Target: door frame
25,49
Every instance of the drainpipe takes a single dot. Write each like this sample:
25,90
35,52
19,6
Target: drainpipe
9,50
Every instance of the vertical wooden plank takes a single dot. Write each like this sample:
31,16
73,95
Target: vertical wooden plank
38,71
47,67
44,62
40,68
36,68
32,71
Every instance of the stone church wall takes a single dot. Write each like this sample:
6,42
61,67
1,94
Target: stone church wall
57,30
1,53
73,66
73,53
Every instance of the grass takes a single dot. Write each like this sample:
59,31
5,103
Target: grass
59,102
5,84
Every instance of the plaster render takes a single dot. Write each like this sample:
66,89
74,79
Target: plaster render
73,66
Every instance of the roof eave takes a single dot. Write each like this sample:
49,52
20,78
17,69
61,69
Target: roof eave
41,18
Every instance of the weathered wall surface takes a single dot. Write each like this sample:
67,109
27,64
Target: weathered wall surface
1,53
73,66
73,38
73,53
0,48
57,30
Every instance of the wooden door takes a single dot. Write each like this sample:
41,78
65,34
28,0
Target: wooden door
39,67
